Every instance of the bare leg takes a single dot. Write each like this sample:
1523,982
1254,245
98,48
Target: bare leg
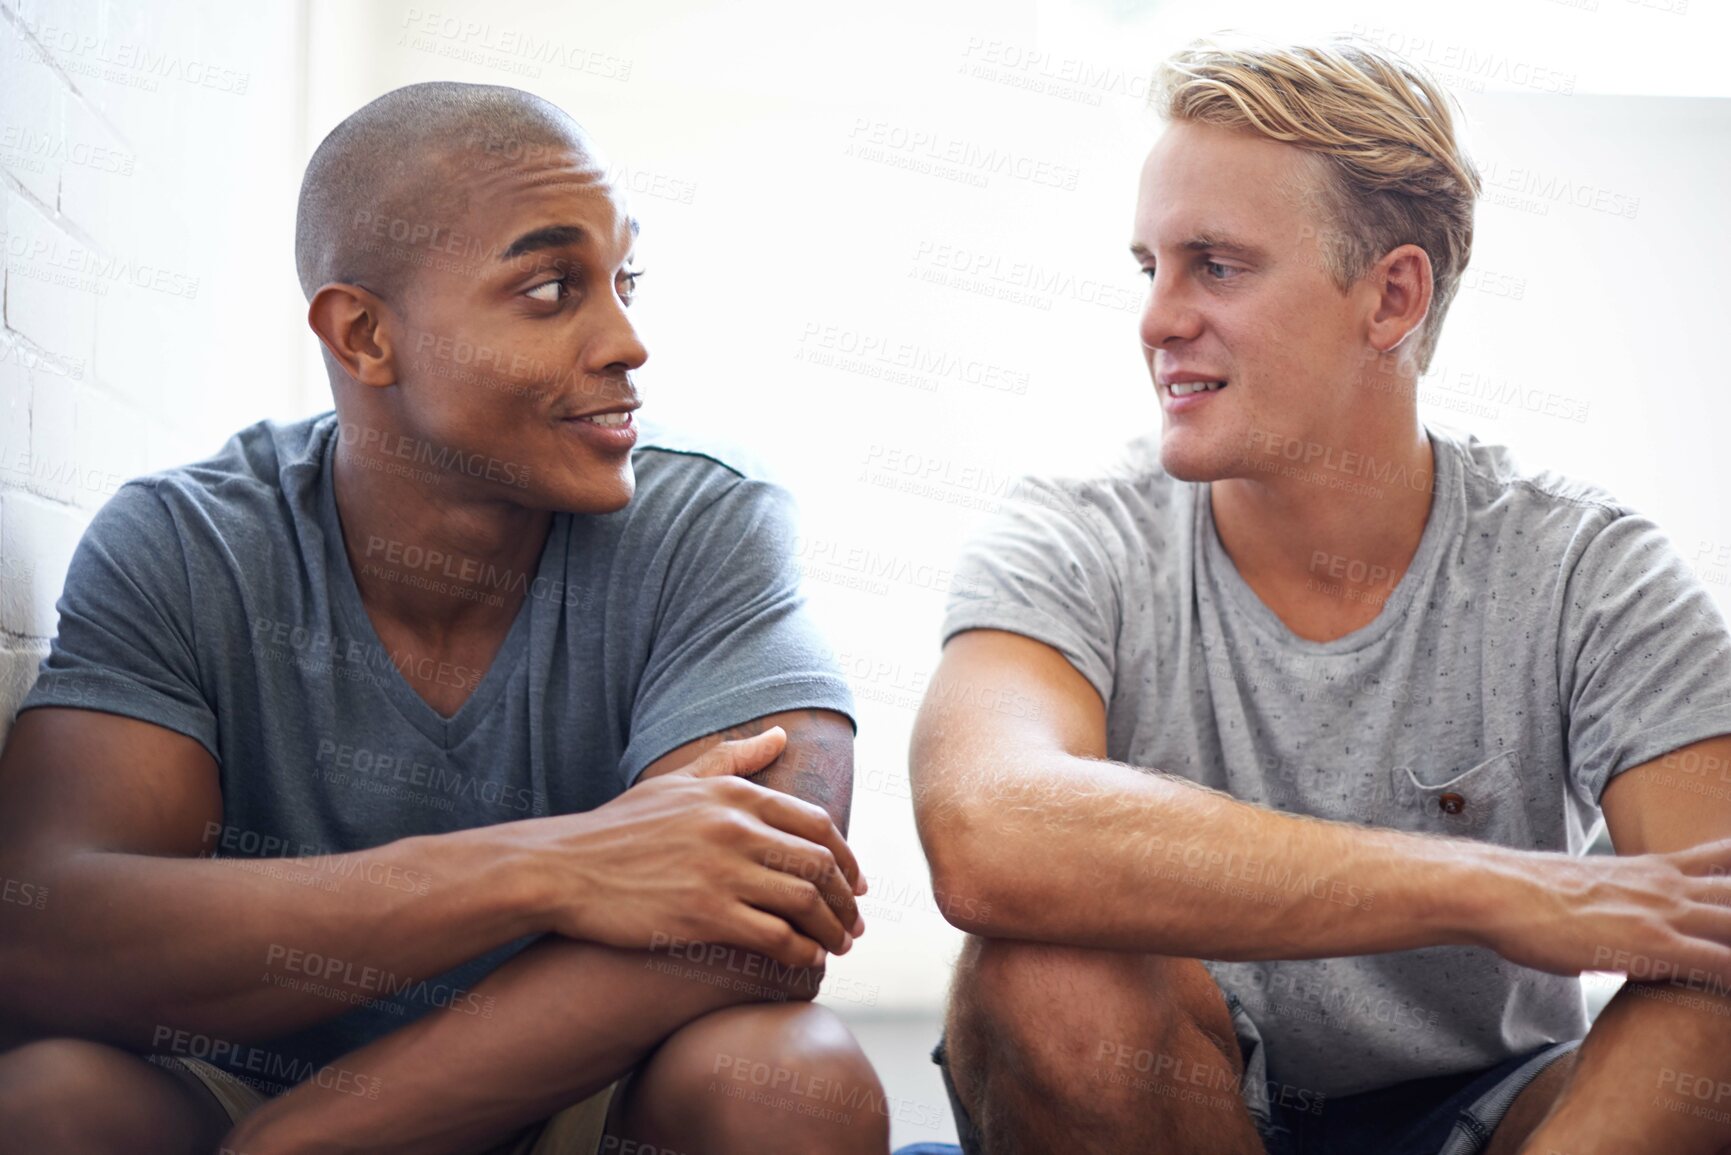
784,1079
74,1097
1056,1048
1652,1075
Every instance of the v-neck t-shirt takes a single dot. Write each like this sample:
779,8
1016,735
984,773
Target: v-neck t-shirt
217,600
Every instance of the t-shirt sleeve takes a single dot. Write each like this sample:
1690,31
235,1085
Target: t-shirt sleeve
1646,655
1040,567
733,639
124,643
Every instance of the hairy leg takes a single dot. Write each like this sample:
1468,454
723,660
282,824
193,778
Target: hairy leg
785,1079
1064,1048
75,1097
1653,1075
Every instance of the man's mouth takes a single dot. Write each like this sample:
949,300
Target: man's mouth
608,420
1186,388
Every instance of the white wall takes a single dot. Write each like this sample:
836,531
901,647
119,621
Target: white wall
149,161
796,250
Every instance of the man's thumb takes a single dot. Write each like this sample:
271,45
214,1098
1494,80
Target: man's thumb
741,755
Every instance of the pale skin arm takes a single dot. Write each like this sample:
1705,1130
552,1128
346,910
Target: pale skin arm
1019,812
1656,1046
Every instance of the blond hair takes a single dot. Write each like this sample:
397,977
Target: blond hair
1383,130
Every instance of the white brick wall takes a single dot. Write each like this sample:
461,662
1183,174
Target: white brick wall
150,155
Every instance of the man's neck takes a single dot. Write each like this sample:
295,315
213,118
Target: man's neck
429,561
1324,548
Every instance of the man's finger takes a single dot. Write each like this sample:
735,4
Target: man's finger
809,821
801,904
740,755
810,862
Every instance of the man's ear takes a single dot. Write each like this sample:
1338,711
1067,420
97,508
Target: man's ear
1402,280
351,322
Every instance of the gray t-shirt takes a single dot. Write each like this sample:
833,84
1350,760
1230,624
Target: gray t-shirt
217,600
1544,639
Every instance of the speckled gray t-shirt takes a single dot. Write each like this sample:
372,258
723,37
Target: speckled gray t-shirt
1544,639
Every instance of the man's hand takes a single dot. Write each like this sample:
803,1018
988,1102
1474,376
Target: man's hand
1655,916
704,855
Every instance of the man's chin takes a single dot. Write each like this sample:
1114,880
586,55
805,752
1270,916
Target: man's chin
1185,460
599,496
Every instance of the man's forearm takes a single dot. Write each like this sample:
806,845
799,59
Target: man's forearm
564,1020
132,944
1092,853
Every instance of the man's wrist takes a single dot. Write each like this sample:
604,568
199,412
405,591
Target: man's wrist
1478,891
511,878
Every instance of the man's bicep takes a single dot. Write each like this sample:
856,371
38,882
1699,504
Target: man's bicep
72,778
816,765
996,694
1675,801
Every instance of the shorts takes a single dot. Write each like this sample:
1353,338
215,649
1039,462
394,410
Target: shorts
577,1130
1446,1115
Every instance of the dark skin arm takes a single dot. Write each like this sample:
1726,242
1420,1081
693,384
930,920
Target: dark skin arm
567,1018
109,815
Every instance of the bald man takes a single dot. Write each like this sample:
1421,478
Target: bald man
458,770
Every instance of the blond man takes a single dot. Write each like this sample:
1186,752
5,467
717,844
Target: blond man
1289,856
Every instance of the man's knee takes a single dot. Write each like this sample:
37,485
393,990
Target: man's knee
768,1068
1065,1018
60,1094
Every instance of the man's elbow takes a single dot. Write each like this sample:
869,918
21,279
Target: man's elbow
967,879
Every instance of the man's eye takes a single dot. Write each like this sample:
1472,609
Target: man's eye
1218,271
550,292
1148,272
628,284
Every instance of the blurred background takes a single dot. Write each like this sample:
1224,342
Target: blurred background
886,249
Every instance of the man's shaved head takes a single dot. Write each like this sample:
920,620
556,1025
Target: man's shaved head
401,164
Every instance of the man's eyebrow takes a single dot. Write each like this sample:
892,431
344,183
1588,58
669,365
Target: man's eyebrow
1201,243
1220,244
554,237
550,237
